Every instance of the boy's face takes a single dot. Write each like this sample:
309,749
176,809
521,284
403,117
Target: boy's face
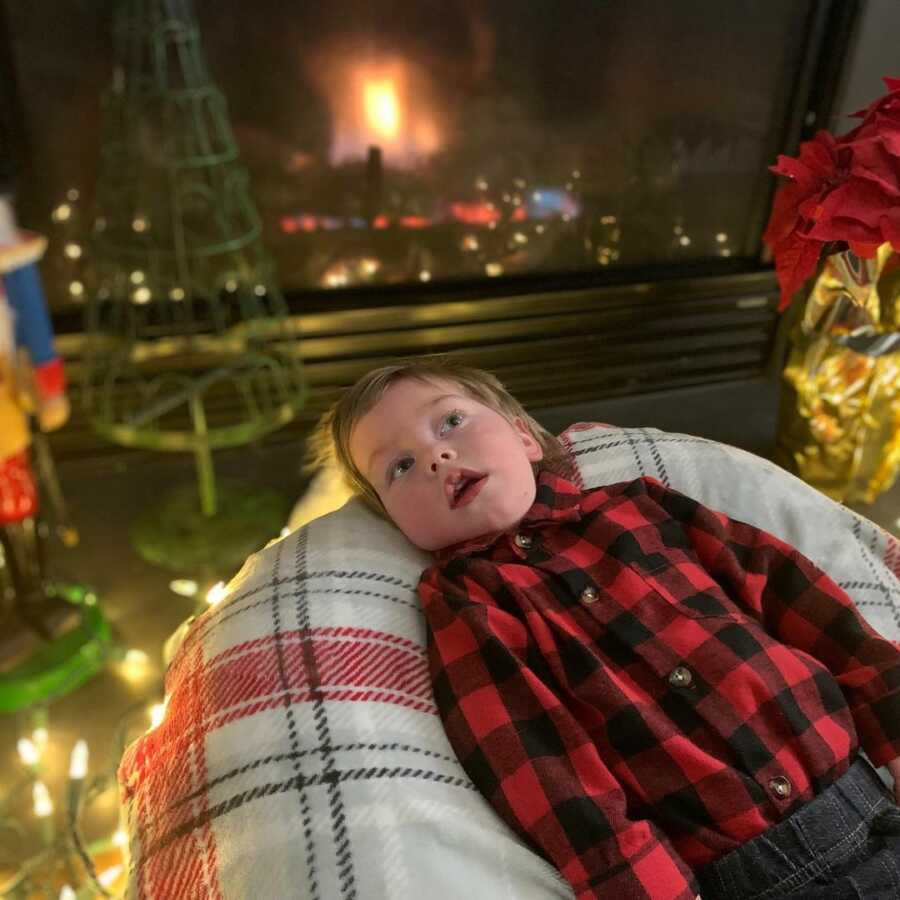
446,467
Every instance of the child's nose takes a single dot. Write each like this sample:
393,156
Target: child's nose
441,456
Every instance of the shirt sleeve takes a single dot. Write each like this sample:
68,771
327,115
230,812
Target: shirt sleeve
799,604
530,757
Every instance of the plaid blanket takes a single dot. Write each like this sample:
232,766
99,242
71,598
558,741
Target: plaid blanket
301,754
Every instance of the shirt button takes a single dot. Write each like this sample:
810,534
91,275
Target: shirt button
589,595
781,787
681,676
523,541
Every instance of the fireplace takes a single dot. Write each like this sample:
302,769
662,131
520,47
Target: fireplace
572,194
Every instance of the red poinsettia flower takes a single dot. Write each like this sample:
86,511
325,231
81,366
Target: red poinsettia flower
843,192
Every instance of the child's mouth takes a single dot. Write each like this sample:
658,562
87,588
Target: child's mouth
464,487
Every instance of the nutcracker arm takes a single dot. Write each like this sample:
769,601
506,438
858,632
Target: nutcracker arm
21,283
33,329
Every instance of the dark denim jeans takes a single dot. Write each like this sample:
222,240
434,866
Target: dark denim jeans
843,845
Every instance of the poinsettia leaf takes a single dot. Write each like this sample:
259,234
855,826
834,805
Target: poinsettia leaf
817,161
856,201
795,261
873,162
783,217
794,169
818,155
892,84
864,251
890,227
841,228
888,127
811,208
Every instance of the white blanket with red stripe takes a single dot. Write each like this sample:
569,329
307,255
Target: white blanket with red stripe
301,754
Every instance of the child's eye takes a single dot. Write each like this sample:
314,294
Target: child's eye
451,421
400,467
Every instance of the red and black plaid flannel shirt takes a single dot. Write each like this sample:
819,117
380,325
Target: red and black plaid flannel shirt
639,684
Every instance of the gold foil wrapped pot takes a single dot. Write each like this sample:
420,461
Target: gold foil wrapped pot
839,425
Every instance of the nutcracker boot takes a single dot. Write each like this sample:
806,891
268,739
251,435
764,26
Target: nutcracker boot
46,615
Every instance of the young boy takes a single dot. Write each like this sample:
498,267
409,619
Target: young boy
662,701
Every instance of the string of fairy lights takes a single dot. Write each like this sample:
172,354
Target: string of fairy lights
62,863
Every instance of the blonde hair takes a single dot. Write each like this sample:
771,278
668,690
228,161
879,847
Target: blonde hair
331,441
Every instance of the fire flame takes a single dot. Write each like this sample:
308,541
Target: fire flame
382,108
387,103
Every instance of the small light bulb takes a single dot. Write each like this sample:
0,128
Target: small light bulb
72,250
120,838
142,295
424,275
137,277
285,531
493,269
40,736
43,805
108,877
78,761
135,665
28,752
67,893
216,593
157,714
177,293
62,213
76,288
184,587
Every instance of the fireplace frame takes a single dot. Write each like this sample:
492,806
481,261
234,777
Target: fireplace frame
562,338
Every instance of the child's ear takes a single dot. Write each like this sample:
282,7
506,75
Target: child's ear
533,450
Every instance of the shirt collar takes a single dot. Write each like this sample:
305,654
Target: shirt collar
557,500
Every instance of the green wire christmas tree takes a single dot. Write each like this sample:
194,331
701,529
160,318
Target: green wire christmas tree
191,345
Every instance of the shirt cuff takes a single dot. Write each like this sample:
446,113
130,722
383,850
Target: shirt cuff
878,727
654,871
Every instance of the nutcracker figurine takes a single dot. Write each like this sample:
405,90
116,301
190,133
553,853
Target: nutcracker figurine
32,388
